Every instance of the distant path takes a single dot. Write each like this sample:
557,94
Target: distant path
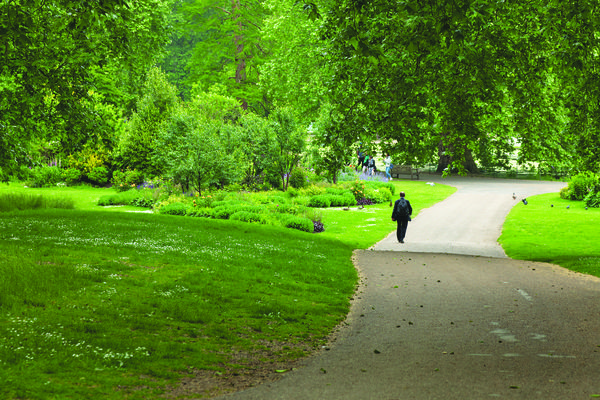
468,222
427,325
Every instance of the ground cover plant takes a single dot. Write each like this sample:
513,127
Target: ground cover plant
107,304
555,230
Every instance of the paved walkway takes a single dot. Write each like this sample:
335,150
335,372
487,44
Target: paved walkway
429,324
468,222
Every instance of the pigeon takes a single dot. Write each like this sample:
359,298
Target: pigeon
524,201
430,183
551,205
514,196
586,208
568,207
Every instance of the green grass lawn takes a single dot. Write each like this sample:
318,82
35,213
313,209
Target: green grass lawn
116,305
546,230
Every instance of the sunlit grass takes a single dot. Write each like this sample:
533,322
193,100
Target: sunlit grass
554,230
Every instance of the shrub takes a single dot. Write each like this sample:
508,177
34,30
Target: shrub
139,198
349,199
99,175
336,200
300,223
71,176
125,180
246,216
358,189
592,199
312,190
321,201
202,212
173,209
582,184
298,178
45,176
224,212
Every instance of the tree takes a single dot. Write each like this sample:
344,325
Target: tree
137,144
331,149
446,76
48,50
288,144
227,48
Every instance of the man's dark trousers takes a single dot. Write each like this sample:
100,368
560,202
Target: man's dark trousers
401,231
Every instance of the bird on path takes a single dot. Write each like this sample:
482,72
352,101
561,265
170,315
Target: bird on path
524,201
514,196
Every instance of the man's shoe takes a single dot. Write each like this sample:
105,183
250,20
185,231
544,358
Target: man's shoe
401,241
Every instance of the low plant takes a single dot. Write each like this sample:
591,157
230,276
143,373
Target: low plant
299,223
140,198
245,216
24,201
174,209
321,201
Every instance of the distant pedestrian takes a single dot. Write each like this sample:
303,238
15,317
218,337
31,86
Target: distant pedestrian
387,161
365,163
361,159
401,214
371,166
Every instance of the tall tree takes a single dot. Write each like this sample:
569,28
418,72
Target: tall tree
458,78
229,48
48,50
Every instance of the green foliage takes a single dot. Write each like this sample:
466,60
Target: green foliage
99,176
330,147
289,142
45,176
128,179
46,80
22,201
580,186
139,198
71,176
226,48
298,179
299,223
592,199
245,216
174,209
137,145
197,154
321,201
358,189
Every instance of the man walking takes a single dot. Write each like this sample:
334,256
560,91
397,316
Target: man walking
401,214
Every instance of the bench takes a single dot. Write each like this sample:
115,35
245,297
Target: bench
398,170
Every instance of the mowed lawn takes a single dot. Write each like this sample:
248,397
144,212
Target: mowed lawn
554,230
97,304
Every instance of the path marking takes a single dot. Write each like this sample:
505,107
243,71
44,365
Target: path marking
525,295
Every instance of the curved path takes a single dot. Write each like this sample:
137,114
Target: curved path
429,324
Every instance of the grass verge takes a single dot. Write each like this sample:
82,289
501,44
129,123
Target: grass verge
553,230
